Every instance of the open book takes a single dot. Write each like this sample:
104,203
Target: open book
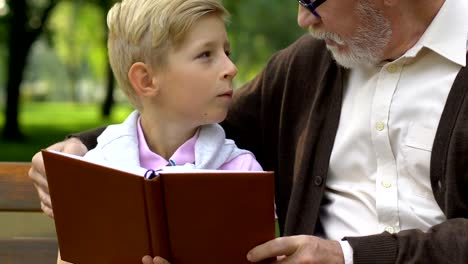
108,215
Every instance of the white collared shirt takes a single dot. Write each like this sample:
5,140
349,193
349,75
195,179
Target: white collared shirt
379,176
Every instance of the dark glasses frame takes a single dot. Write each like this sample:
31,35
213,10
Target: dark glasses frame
311,5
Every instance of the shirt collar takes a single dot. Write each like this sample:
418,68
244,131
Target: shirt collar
447,34
150,160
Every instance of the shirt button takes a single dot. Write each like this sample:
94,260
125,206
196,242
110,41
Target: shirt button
390,229
318,180
392,68
386,184
380,126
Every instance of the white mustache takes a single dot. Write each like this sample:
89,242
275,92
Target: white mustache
327,36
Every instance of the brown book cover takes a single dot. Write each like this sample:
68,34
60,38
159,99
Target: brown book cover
106,215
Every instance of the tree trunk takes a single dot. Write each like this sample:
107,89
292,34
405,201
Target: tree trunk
16,63
21,38
109,99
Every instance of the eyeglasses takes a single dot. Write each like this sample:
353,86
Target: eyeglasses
311,5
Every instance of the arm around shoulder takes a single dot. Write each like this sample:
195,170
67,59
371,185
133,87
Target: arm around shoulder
243,162
37,170
88,137
443,243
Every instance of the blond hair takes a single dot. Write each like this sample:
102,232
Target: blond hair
144,30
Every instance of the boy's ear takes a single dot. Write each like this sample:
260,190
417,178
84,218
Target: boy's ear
141,76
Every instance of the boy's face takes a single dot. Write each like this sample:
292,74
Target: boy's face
196,83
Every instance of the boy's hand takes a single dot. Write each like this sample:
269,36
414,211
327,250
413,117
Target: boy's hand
38,175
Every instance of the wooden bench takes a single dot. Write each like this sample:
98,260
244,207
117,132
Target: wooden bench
26,234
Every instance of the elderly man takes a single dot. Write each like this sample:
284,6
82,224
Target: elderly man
365,123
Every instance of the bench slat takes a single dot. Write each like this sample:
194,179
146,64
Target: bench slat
28,250
18,195
17,190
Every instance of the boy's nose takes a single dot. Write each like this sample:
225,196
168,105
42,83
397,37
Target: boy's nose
230,70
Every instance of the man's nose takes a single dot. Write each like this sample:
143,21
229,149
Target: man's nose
305,18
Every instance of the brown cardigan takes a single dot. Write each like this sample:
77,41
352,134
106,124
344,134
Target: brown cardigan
288,116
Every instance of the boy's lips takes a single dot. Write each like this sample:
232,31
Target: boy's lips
226,94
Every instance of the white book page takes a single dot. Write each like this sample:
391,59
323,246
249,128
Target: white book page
142,171
121,167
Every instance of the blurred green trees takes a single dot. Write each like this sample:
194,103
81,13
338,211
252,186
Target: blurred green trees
258,29
25,21
56,49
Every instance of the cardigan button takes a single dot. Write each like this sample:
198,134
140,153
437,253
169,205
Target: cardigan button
318,180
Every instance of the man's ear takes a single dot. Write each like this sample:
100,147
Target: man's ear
141,76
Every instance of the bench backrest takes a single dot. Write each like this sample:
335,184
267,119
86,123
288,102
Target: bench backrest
17,192
20,209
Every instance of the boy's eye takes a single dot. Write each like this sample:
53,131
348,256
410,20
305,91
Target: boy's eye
228,53
205,54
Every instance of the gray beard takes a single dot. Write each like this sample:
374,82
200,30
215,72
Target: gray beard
367,46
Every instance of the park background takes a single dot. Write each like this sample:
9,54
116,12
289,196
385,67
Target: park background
54,75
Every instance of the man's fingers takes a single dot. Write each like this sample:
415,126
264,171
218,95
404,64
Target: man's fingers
57,146
74,146
37,160
46,204
44,197
37,175
157,260
40,180
147,260
37,171
273,248
47,210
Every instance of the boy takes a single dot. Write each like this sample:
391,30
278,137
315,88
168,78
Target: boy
171,58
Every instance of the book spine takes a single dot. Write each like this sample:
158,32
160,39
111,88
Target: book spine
156,215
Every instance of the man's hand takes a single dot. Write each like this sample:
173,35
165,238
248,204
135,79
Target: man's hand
299,249
38,175
156,260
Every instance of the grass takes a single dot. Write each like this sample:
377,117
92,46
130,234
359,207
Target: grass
46,123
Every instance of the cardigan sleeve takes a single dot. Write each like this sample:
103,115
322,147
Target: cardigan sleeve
89,137
443,243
